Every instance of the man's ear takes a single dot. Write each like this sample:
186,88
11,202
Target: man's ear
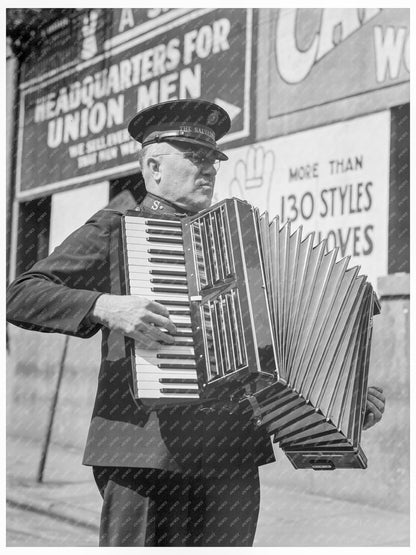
154,168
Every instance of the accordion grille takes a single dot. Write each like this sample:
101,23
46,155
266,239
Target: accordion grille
212,248
225,347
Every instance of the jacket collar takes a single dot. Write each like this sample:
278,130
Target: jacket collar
161,206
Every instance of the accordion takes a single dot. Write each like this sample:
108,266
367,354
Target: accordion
263,316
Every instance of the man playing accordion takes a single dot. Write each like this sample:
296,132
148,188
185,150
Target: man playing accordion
173,475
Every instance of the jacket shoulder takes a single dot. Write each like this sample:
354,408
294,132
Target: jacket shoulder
107,217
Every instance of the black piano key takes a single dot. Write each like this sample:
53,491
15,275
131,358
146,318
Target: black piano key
181,324
170,232
164,223
184,343
174,303
174,356
164,240
179,313
177,366
185,333
177,380
169,281
179,390
175,290
178,253
174,273
166,261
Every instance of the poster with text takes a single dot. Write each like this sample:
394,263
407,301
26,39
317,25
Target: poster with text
73,120
332,180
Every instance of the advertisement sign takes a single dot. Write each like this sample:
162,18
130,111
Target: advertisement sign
318,56
333,181
72,125
81,34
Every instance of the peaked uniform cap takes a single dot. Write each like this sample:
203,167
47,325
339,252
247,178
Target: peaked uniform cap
193,121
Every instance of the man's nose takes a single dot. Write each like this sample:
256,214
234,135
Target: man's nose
209,168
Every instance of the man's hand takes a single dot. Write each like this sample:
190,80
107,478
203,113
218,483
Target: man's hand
375,407
137,317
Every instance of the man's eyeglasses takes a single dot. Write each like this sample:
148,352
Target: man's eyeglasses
196,158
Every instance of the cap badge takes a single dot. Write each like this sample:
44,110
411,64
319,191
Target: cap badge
213,117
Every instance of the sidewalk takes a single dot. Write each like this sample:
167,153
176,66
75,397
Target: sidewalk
287,518
68,490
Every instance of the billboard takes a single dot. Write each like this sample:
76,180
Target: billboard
73,118
332,180
317,66
330,54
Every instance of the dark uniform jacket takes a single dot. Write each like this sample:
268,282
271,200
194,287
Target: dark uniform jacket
57,294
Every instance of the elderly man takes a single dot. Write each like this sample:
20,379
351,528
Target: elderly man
177,475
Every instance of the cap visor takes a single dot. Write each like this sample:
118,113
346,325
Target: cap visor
220,155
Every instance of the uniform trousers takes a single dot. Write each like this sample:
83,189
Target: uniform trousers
154,507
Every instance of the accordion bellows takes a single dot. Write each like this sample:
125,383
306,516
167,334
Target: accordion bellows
273,319
321,314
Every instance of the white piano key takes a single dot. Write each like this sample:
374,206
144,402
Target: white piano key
140,258
154,229
134,223
180,318
168,301
150,269
174,249
174,291
172,295
179,321
137,242
164,240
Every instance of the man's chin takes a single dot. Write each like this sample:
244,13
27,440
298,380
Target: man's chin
206,202
198,206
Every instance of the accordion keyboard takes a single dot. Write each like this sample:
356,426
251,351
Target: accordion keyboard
156,270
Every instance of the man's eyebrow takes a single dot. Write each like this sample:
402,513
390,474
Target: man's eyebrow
204,153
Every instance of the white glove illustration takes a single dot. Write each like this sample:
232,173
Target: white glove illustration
255,172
